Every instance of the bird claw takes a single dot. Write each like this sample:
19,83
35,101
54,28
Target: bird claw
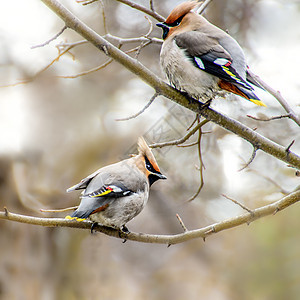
93,226
123,230
205,105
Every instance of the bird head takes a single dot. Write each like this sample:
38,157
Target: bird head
176,17
147,163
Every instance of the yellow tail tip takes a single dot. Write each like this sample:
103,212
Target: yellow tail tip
74,218
258,102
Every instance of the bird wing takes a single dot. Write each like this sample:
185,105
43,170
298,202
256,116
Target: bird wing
83,183
208,55
112,190
93,201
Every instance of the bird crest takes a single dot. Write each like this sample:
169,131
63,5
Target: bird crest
179,12
146,152
143,148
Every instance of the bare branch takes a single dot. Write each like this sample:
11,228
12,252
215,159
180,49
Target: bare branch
161,87
257,213
201,167
124,41
203,6
86,2
250,160
277,95
103,17
269,119
58,210
289,146
183,139
52,39
281,190
141,111
151,5
87,72
238,203
144,9
181,223
188,145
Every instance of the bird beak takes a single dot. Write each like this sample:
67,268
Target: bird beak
161,176
165,29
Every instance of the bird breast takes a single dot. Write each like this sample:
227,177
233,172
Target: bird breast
184,76
122,210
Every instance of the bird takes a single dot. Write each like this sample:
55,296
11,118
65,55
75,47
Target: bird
115,194
201,60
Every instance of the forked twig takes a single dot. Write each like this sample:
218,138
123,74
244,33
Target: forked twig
269,119
181,140
278,97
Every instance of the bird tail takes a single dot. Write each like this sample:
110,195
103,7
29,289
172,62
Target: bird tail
241,91
253,81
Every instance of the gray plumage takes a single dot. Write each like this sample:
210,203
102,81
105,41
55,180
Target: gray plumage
115,194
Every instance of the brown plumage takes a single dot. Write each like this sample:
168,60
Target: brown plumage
201,59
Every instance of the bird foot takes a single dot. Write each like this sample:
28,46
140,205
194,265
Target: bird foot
123,230
93,227
205,105
186,95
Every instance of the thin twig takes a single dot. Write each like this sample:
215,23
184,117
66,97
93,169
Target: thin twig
266,145
61,53
277,95
144,9
188,145
250,160
281,190
192,124
288,148
151,4
88,71
258,213
86,2
200,169
203,6
181,140
141,111
52,39
58,210
269,119
103,17
181,223
124,41
238,203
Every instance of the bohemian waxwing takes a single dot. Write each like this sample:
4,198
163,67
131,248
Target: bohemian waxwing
202,60
115,194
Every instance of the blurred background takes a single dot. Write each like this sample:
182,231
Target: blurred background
55,131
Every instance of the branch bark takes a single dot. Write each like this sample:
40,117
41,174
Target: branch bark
164,89
162,239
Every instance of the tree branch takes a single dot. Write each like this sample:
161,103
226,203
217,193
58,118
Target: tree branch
161,239
162,88
144,9
277,95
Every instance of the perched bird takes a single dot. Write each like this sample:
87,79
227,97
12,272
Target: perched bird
115,194
202,60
